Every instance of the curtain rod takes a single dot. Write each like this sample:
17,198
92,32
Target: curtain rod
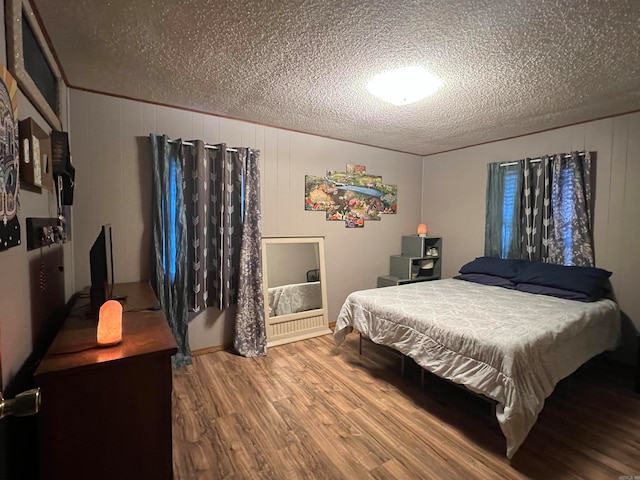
206,146
537,160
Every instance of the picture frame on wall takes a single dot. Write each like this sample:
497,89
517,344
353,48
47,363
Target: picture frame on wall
9,162
31,62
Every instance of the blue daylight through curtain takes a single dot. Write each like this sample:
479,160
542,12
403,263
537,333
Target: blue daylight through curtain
508,204
171,257
566,211
244,170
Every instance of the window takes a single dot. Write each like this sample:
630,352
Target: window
242,196
565,214
175,183
170,258
541,210
36,65
508,210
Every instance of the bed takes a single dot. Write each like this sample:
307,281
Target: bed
508,345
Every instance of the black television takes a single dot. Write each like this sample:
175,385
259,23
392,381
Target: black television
101,266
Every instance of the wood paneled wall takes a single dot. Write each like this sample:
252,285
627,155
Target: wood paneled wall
111,155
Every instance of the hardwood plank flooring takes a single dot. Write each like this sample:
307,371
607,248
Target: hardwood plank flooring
310,410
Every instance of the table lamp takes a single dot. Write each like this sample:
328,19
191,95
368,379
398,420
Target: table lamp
422,230
110,324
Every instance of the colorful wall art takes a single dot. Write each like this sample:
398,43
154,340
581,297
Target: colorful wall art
352,196
9,161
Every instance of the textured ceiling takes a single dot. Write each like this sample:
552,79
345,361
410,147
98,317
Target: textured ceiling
509,67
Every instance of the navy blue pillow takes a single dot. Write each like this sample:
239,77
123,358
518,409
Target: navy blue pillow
590,281
485,279
554,292
499,267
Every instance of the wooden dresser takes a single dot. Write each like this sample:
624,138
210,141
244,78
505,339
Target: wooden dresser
106,412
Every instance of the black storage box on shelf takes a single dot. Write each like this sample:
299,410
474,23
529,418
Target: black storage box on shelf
425,272
426,268
63,171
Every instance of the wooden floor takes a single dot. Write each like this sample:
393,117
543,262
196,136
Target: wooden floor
312,410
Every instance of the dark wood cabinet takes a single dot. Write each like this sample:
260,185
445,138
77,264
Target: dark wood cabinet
106,412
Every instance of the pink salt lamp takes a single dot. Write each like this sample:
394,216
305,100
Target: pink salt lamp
110,324
422,230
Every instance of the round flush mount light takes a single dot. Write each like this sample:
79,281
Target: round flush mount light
404,85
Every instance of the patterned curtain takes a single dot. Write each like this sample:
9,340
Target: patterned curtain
250,333
572,211
198,162
553,211
502,223
169,247
226,210
224,249
536,221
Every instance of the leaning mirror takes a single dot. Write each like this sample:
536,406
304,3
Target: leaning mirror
294,288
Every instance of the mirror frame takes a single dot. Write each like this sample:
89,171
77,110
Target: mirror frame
319,324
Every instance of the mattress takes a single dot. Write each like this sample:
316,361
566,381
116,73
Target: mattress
510,346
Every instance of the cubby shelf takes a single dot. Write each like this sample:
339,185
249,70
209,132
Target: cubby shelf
420,261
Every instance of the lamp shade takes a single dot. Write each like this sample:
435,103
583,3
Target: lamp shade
422,230
110,324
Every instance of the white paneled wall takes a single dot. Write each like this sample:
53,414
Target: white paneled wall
111,155
454,199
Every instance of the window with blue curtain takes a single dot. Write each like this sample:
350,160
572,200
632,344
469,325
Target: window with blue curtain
170,257
169,245
541,211
207,238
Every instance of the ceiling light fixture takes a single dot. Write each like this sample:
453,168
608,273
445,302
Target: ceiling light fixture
404,85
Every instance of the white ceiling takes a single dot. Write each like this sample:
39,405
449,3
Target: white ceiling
509,67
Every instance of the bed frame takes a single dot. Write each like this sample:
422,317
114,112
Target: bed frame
490,402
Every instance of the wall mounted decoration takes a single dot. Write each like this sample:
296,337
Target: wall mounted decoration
36,165
31,62
352,196
63,171
9,162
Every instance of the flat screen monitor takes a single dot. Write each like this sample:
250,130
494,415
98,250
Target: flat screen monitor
101,265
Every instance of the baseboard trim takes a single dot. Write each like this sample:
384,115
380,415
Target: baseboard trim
229,346
211,349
